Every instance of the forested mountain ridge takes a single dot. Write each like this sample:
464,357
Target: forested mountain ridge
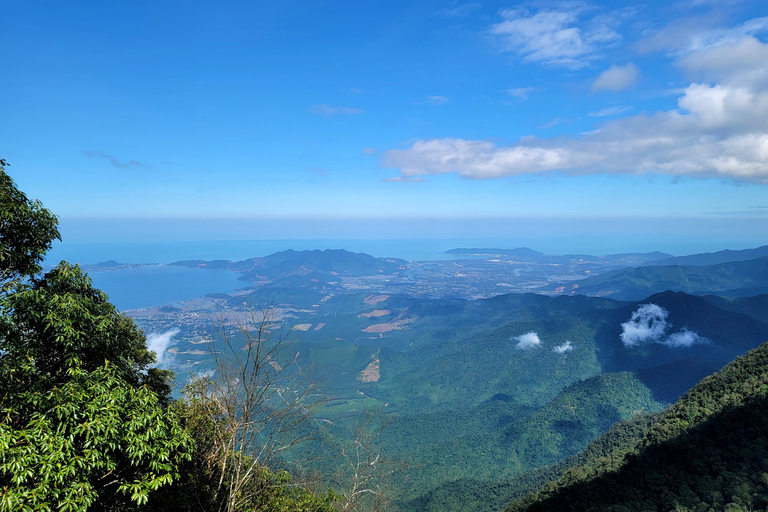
713,258
298,267
707,451
733,278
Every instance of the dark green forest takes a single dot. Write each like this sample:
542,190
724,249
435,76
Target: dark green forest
708,451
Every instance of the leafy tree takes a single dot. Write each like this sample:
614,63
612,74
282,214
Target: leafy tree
26,231
83,419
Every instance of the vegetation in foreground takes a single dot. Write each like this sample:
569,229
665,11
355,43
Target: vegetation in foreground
86,422
708,451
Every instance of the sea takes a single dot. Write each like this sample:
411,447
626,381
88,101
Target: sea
157,283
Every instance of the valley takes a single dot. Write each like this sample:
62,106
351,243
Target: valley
478,388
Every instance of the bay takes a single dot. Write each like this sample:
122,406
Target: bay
157,285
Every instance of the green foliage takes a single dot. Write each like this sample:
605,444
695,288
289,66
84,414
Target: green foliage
61,321
26,231
83,422
92,441
709,451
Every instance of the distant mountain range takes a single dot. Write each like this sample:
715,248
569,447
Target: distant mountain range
529,255
292,268
732,279
713,258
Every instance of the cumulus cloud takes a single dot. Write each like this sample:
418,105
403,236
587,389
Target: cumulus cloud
739,64
719,130
684,338
527,341
617,78
564,348
555,37
327,110
648,324
159,342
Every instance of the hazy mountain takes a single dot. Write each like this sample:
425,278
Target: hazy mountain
713,258
756,307
529,255
297,268
738,279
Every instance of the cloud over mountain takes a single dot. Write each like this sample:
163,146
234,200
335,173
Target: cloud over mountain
159,342
648,324
527,341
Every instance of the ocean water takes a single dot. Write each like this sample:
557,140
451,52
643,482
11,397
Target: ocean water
157,285
168,252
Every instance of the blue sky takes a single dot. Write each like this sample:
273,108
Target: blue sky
298,119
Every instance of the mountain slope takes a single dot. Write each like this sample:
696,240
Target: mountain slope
707,451
713,258
737,279
301,268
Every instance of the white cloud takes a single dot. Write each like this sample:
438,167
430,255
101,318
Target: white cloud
327,110
694,34
718,131
742,63
617,78
648,324
555,37
527,341
610,111
369,151
159,342
684,338
564,348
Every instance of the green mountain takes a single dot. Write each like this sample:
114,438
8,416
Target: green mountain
472,409
708,451
301,268
756,306
487,399
736,279
713,258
